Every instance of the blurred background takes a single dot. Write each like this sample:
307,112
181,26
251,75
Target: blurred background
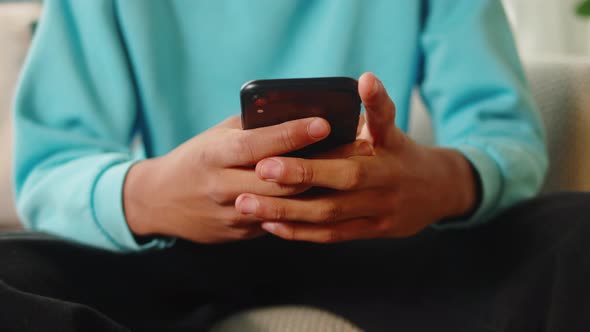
550,27
553,38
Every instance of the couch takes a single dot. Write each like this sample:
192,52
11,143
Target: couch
15,35
561,86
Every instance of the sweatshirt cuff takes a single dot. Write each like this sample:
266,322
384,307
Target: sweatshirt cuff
491,187
109,214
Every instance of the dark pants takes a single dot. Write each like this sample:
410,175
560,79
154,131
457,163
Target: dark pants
528,270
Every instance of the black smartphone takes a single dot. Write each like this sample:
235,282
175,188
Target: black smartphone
336,99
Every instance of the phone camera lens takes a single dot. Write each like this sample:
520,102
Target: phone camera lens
259,100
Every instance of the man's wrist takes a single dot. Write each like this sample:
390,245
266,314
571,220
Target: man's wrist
458,183
137,185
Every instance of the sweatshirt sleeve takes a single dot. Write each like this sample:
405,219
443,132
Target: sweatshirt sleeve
75,115
480,103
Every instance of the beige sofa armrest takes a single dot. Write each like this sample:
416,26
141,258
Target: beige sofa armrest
15,21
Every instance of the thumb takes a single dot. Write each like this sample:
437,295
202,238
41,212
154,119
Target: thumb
379,108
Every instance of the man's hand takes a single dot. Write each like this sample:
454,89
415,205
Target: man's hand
190,192
396,192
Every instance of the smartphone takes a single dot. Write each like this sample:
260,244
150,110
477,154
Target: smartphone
336,99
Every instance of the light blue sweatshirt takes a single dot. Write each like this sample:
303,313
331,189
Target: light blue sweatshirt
102,71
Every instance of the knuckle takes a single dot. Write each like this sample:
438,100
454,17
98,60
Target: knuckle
330,213
287,232
389,210
234,122
384,225
396,168
240,233
290,234
331,236
290,190
334,236
220,195
242,145
279,213
203,157
207,240
305,174
234,220
247,233
288,138
356,175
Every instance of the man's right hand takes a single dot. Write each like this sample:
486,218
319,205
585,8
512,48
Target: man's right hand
190,192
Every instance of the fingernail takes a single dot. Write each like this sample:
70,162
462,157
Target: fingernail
270,169
376,84
269,226
365,149
248,205
318,128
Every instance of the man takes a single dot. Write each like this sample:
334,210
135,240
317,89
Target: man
102,72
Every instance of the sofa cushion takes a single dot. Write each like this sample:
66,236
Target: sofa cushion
285,318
